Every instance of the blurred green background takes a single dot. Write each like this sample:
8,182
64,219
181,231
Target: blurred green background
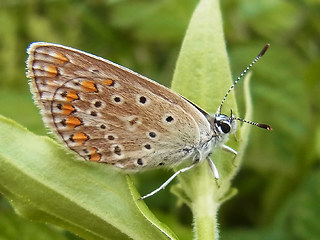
279,193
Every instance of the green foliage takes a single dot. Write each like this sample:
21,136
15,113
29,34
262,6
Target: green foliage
279,178
14,227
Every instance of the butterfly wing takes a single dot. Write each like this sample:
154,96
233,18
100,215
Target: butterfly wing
108,113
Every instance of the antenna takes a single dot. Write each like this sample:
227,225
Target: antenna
263,51
261,125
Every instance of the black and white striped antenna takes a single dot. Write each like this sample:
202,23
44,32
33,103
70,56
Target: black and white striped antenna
265,126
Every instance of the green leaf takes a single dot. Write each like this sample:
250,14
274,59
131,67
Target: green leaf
92,200
14,227
245,128
202,71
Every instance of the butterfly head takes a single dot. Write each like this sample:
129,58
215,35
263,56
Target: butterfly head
225,124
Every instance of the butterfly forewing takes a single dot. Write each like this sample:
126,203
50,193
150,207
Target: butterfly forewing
110,114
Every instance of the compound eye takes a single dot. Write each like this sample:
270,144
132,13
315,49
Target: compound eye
225,127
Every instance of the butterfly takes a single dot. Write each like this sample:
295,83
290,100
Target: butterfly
109,114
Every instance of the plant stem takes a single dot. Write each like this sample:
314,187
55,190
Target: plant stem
204,207
200,186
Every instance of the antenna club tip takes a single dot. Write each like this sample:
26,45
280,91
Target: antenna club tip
265,126
263,51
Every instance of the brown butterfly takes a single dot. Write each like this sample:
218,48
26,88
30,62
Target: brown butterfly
107,113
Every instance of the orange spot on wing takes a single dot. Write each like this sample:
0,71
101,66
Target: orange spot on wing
67,109
73,122
108,82
89,86
80,137
94,156
60,58
71,95
52,71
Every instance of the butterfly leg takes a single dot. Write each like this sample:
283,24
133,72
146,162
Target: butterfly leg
213,168
168,181
229,149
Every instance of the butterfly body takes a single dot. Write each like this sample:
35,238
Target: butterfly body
110,114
